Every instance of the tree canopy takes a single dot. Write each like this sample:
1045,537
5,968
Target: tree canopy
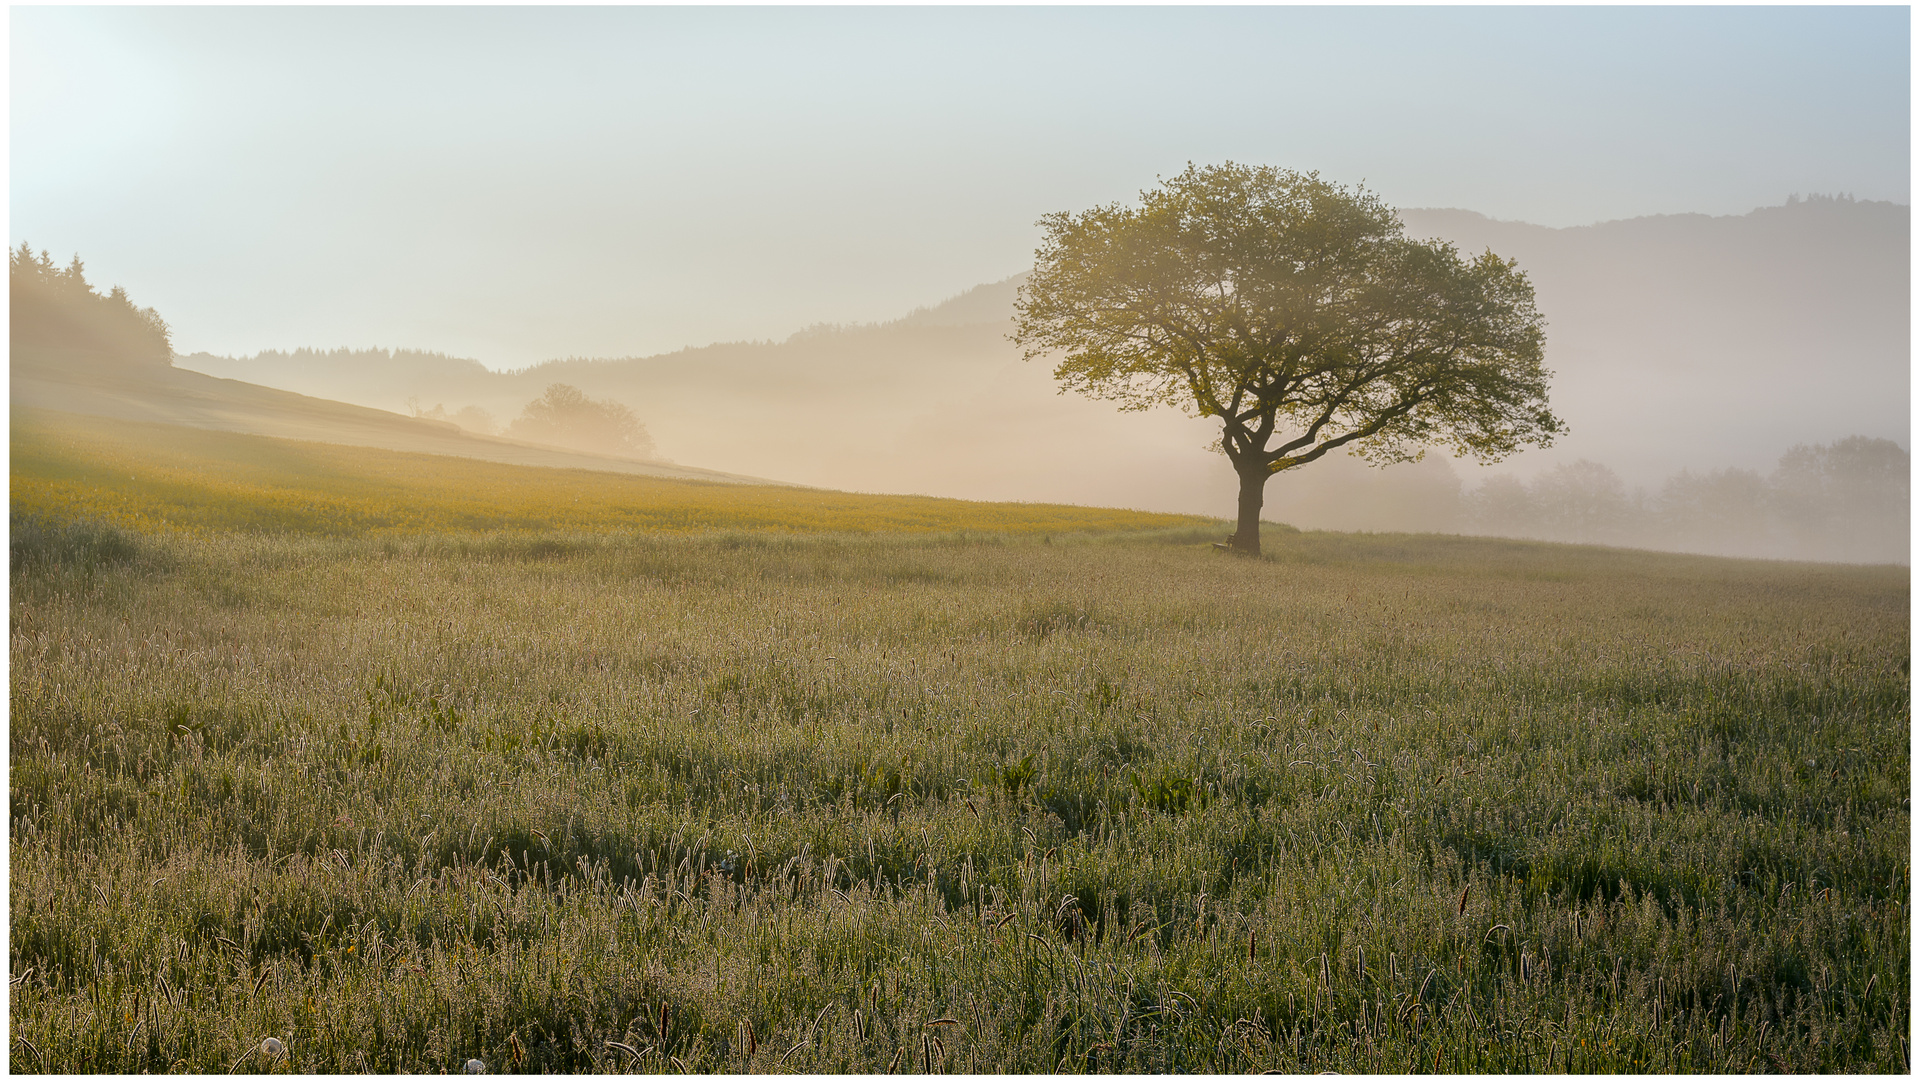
1296,312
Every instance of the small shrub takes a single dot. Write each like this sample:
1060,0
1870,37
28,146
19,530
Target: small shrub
1165,789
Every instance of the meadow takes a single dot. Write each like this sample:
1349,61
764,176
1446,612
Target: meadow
171,478
920,794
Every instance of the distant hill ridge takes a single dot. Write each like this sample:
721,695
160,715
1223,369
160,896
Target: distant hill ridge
979,306
1677,341
1802,208
993,302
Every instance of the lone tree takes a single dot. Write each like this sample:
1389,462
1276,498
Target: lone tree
1296,311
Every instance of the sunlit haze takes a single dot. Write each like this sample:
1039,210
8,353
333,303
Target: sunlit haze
971,540
516,185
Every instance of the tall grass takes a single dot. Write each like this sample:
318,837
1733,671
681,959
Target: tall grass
747,801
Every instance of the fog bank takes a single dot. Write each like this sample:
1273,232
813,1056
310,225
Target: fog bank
1692,356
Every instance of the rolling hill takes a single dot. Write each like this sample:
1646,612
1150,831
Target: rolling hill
1678,341
192,399
202,479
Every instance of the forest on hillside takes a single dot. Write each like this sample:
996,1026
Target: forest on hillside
58,320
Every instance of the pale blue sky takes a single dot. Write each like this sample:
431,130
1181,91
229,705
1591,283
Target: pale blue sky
518,184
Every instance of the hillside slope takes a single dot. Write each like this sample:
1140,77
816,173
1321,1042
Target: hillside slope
1680,341
192,399
170,476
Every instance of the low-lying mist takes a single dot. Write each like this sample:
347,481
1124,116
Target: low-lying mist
1840,502
1735,386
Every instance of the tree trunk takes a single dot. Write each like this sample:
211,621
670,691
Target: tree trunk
1253,495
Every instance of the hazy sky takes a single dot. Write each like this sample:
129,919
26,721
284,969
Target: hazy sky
517,184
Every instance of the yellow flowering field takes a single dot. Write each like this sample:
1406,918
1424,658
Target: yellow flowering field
168,477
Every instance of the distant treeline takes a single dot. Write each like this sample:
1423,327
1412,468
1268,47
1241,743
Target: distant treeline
373,361
1846,501
58,319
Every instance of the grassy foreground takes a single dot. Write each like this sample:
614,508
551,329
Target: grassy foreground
578,794
750,802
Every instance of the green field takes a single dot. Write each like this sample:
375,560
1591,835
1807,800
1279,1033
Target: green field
594,795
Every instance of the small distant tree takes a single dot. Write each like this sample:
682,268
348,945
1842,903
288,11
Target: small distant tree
1845,500
468,418
475,418
1722,512
564,416
1298,314
1583,502
1501,506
